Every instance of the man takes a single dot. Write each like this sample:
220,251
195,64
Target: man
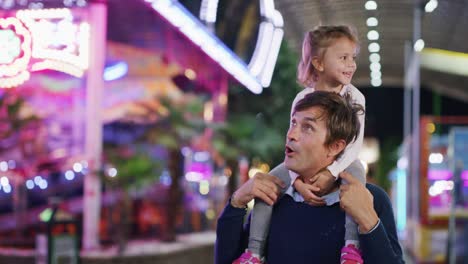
300,233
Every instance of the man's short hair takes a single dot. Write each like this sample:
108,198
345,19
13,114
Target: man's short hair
340,113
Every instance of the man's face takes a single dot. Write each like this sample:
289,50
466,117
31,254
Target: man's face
306,153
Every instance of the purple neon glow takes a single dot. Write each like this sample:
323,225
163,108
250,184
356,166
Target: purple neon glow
445,175
198,171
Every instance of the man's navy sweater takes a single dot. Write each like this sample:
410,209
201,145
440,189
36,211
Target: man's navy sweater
300,233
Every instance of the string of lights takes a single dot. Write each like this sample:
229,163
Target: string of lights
39,4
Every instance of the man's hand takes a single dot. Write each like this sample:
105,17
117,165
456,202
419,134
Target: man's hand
308,192
358,203
261,185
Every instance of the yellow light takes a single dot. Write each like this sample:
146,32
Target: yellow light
204,187
430,128
444,61
189,73
210,214
265,167
222,99
253,171
208,112
370,152
251,204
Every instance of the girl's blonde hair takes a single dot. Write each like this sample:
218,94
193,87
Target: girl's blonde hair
315,44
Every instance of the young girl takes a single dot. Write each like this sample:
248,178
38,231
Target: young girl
328,64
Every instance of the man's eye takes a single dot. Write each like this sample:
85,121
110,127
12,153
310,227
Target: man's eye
308,128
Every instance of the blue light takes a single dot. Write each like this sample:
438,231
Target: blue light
7,188
401,199
29,184
112,172
3,166
165,178
12,164
43,184
69,175
37,180
115,71
77,167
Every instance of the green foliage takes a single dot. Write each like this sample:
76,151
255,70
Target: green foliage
260,122
180,122
135,169
246,135
387,161
183,121
11,117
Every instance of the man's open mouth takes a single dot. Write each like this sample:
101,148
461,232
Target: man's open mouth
289,150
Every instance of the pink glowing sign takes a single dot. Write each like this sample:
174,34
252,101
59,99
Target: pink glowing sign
42,39
14,38
445,175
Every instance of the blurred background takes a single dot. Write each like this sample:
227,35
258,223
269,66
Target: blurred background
127,124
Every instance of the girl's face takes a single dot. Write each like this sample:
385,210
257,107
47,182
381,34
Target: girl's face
337,65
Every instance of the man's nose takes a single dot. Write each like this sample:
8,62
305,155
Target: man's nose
292,133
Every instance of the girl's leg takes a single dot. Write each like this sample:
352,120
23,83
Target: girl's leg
357,170
261,215
350,253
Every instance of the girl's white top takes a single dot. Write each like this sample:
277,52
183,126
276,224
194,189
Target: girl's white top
351,151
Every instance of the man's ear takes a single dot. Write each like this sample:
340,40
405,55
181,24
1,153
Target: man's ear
317,63
336,147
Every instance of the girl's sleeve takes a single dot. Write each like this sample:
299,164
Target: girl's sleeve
351,151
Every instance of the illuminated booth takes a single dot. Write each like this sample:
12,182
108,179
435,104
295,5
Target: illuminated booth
431,210
46,105
68,83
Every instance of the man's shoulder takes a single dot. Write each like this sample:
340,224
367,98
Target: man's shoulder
376,190
381,199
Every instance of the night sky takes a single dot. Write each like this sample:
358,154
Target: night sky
384,110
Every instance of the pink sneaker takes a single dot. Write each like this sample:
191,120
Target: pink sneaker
351,255
248,258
